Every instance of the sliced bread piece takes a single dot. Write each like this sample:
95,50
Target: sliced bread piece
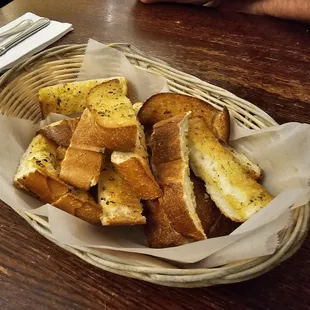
134,168
171,170
60,132
81,168
36,172
166,105
206,209
81,204
224,226
235,193
120,205
251,168
70,98
115,116
108,122
158,230
214,223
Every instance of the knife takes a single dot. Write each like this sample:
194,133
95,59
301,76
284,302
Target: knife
35,27
23,25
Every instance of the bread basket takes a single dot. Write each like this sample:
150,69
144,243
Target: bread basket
18,97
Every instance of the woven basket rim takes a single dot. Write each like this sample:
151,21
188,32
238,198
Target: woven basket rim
218,97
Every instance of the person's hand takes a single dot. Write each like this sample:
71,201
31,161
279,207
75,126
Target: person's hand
291,9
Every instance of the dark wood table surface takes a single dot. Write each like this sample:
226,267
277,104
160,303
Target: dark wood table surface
261,59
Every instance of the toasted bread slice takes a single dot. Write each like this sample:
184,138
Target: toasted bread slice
70,98
171,170
108,122
234,192
115,116
206,209
224,226
137,107
81,204
36,172
158,230
60,132
214,223
81,168
251,168
119,202
135,169
165,105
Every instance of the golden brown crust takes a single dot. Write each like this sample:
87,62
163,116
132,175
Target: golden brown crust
38,174
221,125
60,132
90,136
172,174
206,209
137,173
170,179
81,168
158,230
167,130
82,207
166,105
39,183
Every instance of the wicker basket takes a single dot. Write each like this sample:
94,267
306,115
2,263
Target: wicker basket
18,97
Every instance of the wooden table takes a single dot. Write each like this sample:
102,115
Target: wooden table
261,59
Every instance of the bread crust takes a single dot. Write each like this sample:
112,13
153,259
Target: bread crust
135,169
137,173
171,174
158,230
60,132
80,205
81,168
206,209
89,135
166,105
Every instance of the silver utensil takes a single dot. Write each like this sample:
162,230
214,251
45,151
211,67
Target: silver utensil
23,25
35,27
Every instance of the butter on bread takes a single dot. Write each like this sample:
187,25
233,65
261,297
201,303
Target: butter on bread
234,192
171,169
71,98
134,168
60,132
120,205
251,168
37,173
158,230
166,105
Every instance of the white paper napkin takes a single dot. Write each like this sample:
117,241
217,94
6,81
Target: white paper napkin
33,44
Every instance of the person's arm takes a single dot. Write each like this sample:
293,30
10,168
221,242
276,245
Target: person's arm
290,9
